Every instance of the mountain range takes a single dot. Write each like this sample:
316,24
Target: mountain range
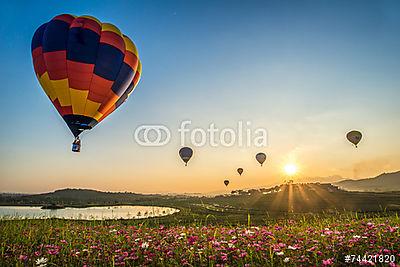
381,183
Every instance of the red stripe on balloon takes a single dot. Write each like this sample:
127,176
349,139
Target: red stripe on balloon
131,59
136,78
56,64
38,61
62,110
100,86
79,74
95,97
86,23
65,17
113,39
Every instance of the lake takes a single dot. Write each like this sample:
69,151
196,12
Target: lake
90,213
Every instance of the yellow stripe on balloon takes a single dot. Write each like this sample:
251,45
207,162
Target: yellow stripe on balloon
139,69
78,99
130,46
111,28
92,18
91,108
98,116
44,81
61,89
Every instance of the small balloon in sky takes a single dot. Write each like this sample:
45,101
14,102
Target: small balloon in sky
261,157
240,171
354,137
185,153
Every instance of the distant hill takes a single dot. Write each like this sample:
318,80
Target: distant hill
310,197
301,197
381,183
328,179
83,197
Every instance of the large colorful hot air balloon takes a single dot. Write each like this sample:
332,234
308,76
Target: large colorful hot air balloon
354,137
87,68
185,153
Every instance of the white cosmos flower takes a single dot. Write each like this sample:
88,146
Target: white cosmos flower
286,260
41,262
145,244
248,232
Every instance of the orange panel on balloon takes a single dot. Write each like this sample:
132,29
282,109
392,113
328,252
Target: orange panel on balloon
100,85
131,59
107,113
108,102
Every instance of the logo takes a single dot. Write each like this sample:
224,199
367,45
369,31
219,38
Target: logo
152,135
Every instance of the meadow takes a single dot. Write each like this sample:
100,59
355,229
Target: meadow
182,239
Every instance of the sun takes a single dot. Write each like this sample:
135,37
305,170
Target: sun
290,169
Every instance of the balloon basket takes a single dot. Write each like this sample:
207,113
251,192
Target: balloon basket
76,145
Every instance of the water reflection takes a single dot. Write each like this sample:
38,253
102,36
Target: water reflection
91,213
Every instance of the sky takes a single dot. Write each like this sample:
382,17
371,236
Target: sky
305,71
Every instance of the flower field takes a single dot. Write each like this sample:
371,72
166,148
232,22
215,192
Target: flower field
316,241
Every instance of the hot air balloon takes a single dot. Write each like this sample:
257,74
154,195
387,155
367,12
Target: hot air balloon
185,153
240,171
261,157
87,69
226,182
354,137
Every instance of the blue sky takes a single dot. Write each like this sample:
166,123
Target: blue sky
307,71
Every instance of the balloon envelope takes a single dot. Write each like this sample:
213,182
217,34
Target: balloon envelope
226,182
240,171
354,137
87,68
185,153
261,157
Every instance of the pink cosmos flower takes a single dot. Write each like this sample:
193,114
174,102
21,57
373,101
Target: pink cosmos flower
23,257
327,262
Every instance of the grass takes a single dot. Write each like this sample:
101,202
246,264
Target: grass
198,237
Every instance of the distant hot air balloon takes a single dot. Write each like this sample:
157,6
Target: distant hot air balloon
240,171
354,137
261,157
226,182
87,69
186,153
